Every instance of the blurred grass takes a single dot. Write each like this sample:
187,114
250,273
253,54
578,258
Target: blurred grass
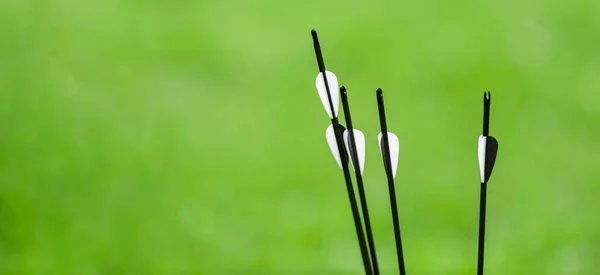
186,137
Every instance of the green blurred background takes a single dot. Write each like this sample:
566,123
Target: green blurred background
187,137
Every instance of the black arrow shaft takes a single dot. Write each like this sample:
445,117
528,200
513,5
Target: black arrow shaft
487,98
322,71
482,213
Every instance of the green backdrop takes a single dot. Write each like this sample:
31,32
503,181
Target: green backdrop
187,137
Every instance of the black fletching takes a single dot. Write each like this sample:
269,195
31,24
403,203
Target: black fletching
491,150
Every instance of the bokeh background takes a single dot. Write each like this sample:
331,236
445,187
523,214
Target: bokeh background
187,137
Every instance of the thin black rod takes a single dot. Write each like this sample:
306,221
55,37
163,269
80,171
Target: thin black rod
340,144
487,98
482,212
359,180
390,177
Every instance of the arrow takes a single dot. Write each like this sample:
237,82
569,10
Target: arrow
355,143
330,106
487,151
389,146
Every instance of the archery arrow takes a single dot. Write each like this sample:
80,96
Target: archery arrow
487,151
389,147
325,81
355,143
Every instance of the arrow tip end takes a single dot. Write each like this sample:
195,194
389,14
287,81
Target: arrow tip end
379,96
313,32
487,97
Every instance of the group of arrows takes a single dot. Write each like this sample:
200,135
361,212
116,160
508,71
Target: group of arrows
348,146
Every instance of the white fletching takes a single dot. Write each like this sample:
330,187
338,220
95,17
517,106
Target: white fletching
333,90
359,139
330,135
394,145
481,154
